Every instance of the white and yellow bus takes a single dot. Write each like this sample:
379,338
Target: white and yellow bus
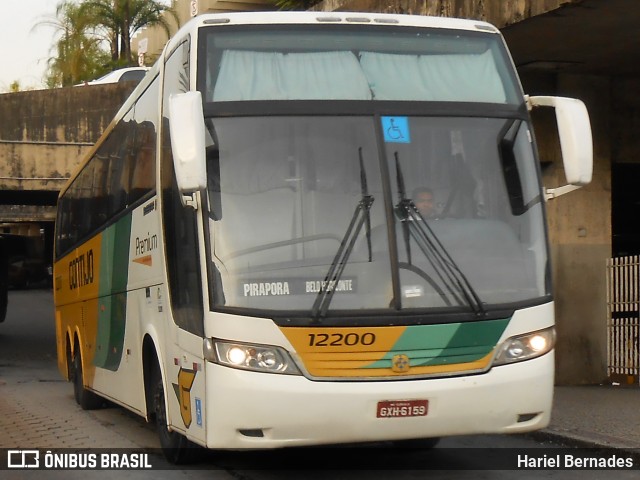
241,260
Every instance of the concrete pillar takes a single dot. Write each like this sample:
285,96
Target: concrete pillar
579,230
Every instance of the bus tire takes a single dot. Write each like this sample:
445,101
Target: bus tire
176,448
85,398
417,443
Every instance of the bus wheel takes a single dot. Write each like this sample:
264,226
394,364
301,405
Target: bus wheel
85,398
175,447
417,444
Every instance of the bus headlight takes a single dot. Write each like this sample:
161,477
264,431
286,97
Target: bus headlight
257,358
525,347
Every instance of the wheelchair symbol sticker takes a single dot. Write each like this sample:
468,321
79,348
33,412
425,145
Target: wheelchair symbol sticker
396,129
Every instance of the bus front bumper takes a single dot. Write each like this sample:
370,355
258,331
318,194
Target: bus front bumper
248,410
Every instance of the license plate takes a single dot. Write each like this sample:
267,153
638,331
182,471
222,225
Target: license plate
402,408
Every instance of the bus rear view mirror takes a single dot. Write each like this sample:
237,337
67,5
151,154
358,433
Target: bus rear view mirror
186,124
574,130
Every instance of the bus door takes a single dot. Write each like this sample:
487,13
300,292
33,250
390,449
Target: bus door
185,376
184,363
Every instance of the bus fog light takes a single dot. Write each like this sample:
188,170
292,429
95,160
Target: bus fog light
257,358
525,347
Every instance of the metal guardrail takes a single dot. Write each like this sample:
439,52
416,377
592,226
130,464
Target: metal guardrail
623,319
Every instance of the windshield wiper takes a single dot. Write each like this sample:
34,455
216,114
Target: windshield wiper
364,190
360,218
414,225
403,208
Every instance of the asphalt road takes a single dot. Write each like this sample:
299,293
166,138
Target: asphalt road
37,411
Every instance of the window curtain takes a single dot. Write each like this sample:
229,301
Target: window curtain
446,78
248,75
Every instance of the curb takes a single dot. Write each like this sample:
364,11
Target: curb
570,441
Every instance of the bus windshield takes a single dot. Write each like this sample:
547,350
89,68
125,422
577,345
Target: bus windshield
319,213
284,191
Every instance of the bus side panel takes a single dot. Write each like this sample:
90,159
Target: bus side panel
91,300
125,385
186,387
134,302
113,295
75,283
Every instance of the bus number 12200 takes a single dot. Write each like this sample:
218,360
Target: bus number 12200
341,340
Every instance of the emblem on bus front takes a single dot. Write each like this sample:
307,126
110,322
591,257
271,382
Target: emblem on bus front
400,363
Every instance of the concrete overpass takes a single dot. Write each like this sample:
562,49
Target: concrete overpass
43,136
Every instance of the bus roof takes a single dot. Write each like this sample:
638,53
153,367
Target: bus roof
280,17
333,18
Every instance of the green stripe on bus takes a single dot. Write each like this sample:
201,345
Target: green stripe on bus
445,344
112,294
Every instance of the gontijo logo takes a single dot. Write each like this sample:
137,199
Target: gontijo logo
81,270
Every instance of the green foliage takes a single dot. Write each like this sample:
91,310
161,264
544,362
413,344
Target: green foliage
76,54
84,27
295,4
118,20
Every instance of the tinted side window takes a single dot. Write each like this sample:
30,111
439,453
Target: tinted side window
121,172
98,192
143,168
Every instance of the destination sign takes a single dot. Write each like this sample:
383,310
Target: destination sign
295,286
